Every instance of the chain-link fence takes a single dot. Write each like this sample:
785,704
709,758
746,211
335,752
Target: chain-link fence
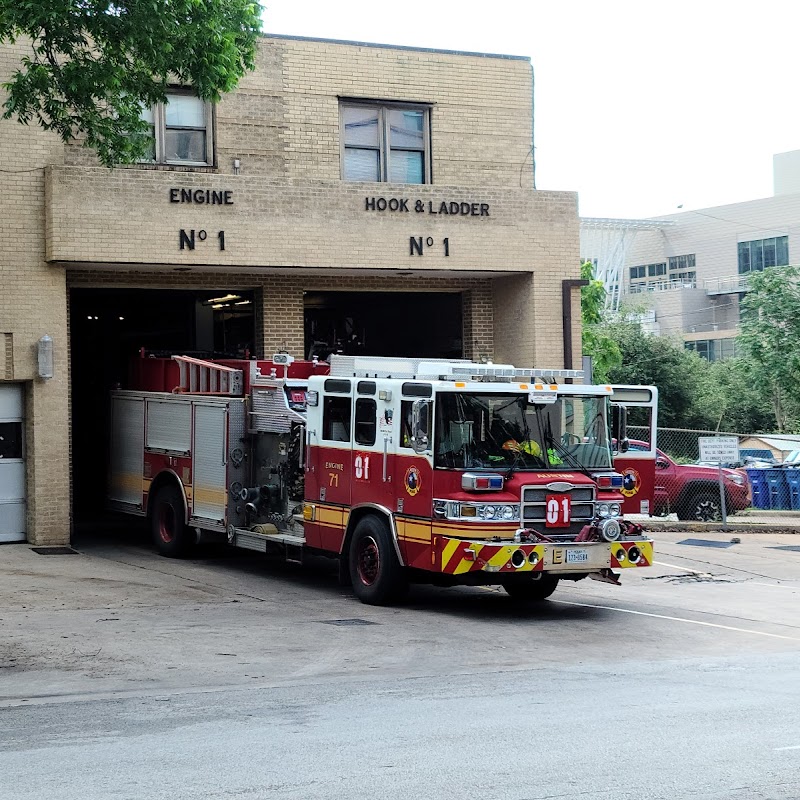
692,490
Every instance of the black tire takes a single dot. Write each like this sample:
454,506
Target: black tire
531,591
377,577
700,507
167,523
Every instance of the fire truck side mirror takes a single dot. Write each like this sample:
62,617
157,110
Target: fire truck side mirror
420,425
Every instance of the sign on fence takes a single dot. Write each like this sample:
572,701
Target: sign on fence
719,449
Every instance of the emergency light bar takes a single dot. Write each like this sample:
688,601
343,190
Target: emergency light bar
439,369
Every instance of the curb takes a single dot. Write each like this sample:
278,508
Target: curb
735,526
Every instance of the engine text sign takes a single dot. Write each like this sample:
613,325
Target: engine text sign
720,449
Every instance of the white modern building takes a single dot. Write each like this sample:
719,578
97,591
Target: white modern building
686,272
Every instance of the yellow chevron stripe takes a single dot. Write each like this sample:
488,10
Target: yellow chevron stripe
448,551
465,564
647,551
501,557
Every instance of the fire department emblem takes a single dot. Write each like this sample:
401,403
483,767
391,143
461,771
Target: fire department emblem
630,482
413,481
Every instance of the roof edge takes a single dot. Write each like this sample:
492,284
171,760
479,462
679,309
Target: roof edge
377,45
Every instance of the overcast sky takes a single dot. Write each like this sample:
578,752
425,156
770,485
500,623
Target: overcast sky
640,106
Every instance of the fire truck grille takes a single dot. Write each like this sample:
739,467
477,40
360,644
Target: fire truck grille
533,507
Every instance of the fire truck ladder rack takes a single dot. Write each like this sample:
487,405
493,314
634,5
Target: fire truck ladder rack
436,369
206,377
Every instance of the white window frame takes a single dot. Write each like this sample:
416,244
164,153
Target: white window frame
383,147
160,129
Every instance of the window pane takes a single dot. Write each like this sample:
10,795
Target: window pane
782,250
150,153
406,166
405,129
360,126
147,115
361,165
336,419
10,440
769,252
185,111
365,421
185,146
757,255
744,257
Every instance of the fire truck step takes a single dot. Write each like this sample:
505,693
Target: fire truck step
250,540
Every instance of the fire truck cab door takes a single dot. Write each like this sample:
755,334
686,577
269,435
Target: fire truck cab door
374,437
638,463
330,464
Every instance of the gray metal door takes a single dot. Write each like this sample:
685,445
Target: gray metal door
12,463
209,492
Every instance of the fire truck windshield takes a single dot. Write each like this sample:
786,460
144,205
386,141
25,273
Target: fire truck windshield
505,431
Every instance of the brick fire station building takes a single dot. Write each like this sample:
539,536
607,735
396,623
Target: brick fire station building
347,196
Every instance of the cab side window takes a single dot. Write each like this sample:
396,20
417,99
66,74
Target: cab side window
366,410
405,423
336,419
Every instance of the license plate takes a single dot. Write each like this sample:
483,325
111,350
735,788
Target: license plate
577,556
557,510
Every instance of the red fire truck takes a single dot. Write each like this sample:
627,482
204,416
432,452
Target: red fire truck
405,470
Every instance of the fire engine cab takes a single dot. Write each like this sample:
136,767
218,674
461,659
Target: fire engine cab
405,470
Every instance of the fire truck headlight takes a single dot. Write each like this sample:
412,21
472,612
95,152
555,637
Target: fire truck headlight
602,509
452,509
613,509
610,530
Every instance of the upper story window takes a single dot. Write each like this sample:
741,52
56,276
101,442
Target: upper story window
714,349
638,272
181,130
762,253
682,262
385,142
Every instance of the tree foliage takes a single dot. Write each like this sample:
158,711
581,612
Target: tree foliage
665,363
692,393
94,64
770,334
732,395
604,351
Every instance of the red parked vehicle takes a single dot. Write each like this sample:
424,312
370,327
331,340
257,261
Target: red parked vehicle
692,491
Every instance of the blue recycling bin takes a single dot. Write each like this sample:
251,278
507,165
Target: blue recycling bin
759,487
793,482
778,489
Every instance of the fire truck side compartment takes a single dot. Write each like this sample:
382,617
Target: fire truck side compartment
127,452
196,442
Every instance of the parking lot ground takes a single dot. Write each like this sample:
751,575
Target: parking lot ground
120,669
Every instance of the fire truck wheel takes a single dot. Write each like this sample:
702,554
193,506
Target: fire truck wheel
170,534
377,576
528,591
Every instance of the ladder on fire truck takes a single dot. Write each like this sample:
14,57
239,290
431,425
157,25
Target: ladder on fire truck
206,377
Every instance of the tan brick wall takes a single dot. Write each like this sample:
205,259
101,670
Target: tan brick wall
293,226
283,119
32,304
